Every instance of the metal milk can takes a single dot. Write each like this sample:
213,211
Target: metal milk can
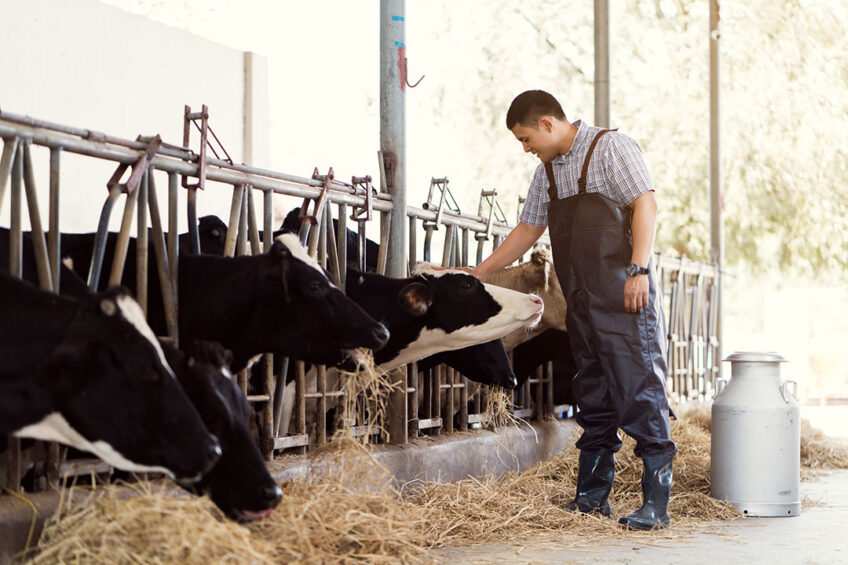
756,438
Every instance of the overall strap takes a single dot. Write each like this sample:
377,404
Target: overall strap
553,194
581,182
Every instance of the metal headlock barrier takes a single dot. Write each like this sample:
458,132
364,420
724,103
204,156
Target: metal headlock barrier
432,402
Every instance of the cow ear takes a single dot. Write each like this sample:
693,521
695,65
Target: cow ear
415,299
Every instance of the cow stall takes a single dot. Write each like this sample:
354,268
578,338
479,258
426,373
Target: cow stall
435,401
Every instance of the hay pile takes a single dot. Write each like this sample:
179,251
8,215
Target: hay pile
533,502
351,516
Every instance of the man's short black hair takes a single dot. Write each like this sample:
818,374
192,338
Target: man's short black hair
529,106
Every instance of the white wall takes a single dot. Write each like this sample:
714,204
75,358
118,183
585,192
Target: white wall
89,65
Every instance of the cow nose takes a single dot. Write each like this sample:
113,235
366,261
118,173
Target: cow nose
273,494
381,335
536,299
512,382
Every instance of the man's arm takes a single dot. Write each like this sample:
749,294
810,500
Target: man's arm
643,227
520,239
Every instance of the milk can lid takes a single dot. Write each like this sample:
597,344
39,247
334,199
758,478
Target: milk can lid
755,357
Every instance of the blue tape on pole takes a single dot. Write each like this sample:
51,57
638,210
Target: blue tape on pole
400,44
397,19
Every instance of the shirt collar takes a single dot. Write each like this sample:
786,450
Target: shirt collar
579,138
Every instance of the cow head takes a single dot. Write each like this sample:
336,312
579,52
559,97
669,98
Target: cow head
305,315
439,310
212,232
239,484
456,300
486,363
113,394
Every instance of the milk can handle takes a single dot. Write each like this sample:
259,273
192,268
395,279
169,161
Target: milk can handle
715,388
794,390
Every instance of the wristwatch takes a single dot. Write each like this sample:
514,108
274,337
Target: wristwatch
634,270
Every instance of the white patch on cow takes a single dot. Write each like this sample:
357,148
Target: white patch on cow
54,427
68,262
132,313
293,244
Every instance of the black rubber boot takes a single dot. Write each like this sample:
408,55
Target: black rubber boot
595,472
656,487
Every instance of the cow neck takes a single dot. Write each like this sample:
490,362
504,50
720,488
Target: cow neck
34,321
33,325
377,296
215,300
505,278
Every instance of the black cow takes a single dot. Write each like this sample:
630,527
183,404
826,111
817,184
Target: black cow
291,224
239,484
550,345
278,302
90,374
486,363
78,248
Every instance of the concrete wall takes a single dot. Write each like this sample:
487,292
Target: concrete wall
90,65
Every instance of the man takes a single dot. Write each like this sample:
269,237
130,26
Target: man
593,191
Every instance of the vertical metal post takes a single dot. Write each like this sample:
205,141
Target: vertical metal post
173,248
191,209
602,94
141,244
412,243
45,279
393,82
233,225
10,148
273,387
54,247
716,221
166,286
242,231
123,241
16,232
342,245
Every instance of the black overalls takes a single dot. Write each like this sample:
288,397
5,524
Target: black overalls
619,355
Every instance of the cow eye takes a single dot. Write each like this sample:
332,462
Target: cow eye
314,286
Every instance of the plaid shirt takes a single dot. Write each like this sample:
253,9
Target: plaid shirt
617,171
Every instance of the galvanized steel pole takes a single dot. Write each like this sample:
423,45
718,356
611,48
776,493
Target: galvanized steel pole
716,222
602,94
393,83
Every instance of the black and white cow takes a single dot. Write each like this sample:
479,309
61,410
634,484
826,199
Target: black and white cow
90,374
239,484
278,302
439,310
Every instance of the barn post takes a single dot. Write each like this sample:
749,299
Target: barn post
393,83
602,98
716,221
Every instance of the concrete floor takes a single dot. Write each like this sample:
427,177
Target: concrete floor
818,536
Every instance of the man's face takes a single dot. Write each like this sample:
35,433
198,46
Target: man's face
537,140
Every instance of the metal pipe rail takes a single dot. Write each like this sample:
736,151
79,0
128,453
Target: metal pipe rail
425,401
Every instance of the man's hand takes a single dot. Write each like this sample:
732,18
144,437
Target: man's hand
635,293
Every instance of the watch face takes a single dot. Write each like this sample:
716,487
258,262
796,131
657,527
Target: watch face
631,270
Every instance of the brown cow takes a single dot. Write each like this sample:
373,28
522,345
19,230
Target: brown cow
536,276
